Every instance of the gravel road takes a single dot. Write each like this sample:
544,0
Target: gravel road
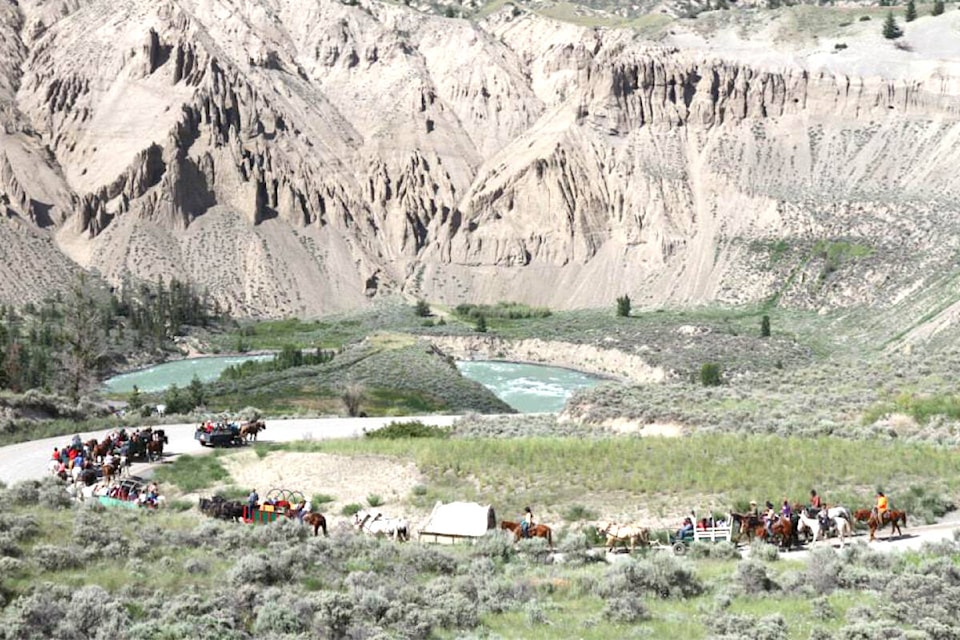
28,460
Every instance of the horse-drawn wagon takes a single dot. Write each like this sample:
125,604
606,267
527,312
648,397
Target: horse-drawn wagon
220,434
278,502
705,530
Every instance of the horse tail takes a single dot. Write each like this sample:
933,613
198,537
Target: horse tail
550,537
323,525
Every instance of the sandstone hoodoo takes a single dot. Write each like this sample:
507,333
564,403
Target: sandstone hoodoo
302,159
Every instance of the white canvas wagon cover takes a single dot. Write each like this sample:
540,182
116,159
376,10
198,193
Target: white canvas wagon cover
458,520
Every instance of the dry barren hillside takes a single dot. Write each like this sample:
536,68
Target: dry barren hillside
301,157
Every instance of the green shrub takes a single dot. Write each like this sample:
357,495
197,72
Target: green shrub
422,309
350,509
321,498
765,320
374,500
409,429
710,374
623,306
578,512
752,577
504,310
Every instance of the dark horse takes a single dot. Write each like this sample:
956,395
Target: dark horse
893,516
535,531
314,519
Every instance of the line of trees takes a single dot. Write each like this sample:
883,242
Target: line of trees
65,343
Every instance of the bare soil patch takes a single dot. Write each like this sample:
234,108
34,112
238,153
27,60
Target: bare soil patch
348,479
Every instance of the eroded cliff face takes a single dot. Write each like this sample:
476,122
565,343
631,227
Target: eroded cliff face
301,159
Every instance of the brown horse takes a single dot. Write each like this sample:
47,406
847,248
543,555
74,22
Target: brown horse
754,527
317,521
102,450
155,450
250,430
892,516
535,531
314,519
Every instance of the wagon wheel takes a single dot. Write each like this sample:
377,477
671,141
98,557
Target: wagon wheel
679,548
287,495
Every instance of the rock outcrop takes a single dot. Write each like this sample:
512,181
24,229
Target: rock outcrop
301,159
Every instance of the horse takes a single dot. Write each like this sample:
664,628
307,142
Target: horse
755,527
821,523
535,531
102,450
892,516
250,430
745,524
375,524
623,532
314,519
220,507
154,450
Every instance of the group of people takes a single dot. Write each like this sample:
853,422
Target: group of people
210,426
817,508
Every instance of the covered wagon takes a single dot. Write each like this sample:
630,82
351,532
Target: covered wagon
457,522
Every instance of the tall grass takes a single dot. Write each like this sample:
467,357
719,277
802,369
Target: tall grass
704,472
192,473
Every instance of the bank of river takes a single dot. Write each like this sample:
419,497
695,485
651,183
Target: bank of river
528,388
178,372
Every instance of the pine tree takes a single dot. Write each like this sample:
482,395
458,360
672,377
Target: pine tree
911,13
890,29
623,306
937,8
765,326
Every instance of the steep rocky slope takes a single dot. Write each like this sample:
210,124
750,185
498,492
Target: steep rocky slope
300,158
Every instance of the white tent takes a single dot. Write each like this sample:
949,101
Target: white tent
457,521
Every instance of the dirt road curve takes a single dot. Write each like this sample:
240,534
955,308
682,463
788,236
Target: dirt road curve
29,460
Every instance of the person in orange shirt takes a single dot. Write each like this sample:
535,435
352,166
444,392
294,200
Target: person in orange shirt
881,509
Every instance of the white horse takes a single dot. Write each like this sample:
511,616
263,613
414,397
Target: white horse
837,517
813,524
374,523
840,518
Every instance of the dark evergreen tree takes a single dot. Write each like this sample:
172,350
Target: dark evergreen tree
623,306
84,339
911,12
890,29
937,8
765,326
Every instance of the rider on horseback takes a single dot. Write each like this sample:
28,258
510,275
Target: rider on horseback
816,503
881,509
526,523
770,516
